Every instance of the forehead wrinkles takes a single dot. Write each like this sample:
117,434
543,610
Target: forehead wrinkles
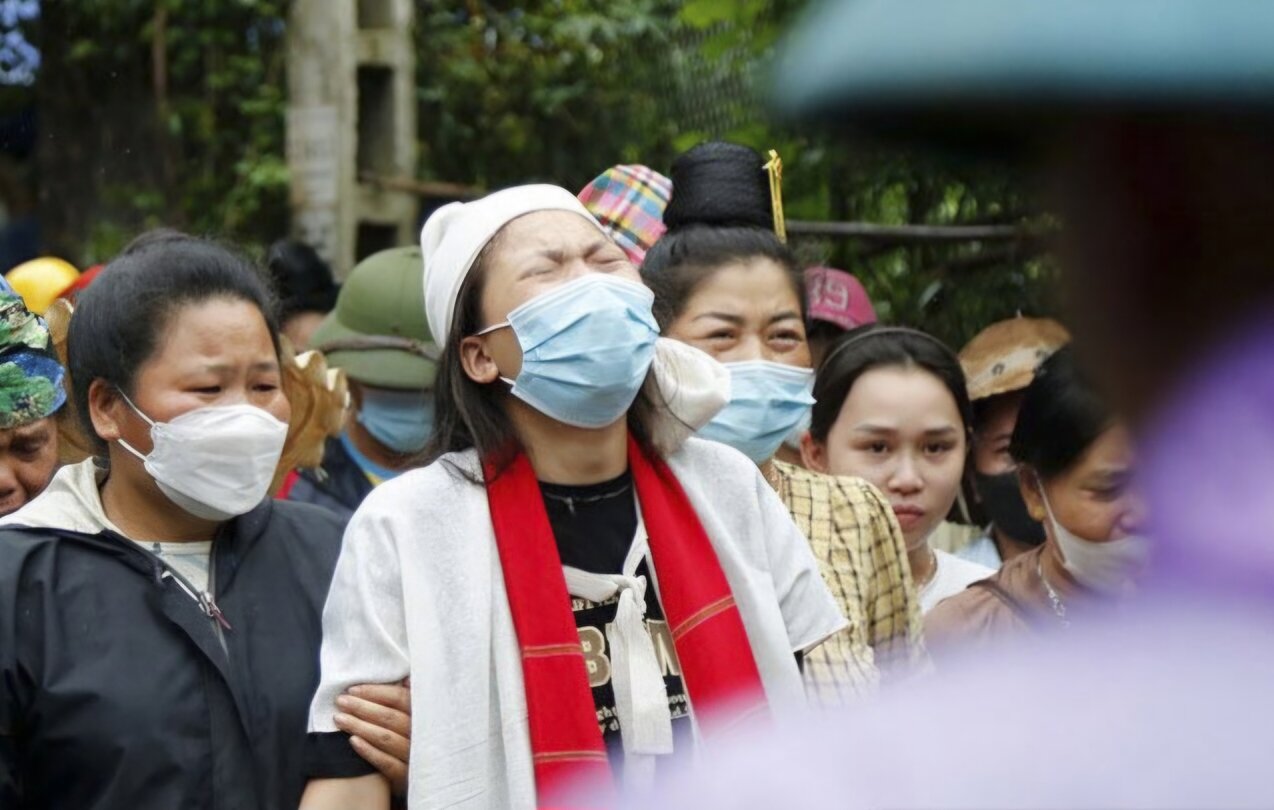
545,230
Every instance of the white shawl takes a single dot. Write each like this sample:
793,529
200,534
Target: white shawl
419,591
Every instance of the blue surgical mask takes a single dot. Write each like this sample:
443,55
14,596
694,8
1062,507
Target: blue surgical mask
793,439
400,420
586,348
767,402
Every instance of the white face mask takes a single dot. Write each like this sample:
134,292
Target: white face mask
1112,567
216,462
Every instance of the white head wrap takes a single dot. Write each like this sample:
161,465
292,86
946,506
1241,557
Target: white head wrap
455,234
689,385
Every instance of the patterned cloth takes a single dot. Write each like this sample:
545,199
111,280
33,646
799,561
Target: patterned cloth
30,376
629,201
863,559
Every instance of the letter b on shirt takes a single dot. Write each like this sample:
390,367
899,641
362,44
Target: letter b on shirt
594,645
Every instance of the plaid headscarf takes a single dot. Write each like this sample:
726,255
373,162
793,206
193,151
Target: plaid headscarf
30,376
629,201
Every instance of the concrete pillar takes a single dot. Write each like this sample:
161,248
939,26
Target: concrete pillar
351,122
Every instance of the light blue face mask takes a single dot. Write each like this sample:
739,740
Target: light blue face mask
793,439
400,420
767,402
586,348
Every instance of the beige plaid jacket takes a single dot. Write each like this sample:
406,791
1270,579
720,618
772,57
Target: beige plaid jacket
863,558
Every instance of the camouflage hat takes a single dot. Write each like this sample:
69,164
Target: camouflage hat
31,379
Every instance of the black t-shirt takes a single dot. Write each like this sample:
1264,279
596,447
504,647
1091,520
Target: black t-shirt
594,528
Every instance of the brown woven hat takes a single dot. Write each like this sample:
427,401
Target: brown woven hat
1003,357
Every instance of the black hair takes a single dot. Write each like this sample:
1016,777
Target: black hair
982,408
1062,414
302,280
719,183
877,346
471,415
719,213
821,331
120,319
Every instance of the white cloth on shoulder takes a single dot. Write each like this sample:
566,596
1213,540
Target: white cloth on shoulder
419,591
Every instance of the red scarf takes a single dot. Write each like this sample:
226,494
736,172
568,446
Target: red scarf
717,666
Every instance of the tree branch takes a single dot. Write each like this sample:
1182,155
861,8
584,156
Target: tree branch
915,233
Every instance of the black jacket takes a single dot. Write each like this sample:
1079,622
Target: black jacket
339,484
115,689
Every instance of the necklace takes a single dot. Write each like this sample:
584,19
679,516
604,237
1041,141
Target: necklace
1054,598
571,501
933,572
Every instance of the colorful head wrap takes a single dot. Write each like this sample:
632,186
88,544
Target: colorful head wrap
629,201
31,379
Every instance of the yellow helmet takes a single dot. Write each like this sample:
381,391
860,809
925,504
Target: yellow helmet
41,281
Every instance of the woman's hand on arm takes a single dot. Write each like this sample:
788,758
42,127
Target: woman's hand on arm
364,642
378,719
362,793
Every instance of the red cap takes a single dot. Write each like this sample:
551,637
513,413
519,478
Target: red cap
837,297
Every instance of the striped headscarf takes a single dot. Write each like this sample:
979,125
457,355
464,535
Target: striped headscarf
629,201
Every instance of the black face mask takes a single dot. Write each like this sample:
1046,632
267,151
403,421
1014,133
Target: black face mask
1002,499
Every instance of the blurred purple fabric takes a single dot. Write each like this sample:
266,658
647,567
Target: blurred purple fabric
1170,706
1208,469
1170,709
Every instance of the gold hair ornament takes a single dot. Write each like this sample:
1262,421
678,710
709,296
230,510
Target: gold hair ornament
775,170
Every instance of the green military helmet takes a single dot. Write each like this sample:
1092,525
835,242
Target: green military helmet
378,333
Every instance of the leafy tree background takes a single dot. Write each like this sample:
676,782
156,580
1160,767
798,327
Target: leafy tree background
160,112
169,112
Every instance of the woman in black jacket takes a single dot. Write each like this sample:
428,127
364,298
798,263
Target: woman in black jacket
160,616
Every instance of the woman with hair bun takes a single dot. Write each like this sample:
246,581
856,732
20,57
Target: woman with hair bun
725,283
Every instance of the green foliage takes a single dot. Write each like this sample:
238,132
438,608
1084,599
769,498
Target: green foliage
551,89
950,289
213,135
230,94
554,90
561,89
